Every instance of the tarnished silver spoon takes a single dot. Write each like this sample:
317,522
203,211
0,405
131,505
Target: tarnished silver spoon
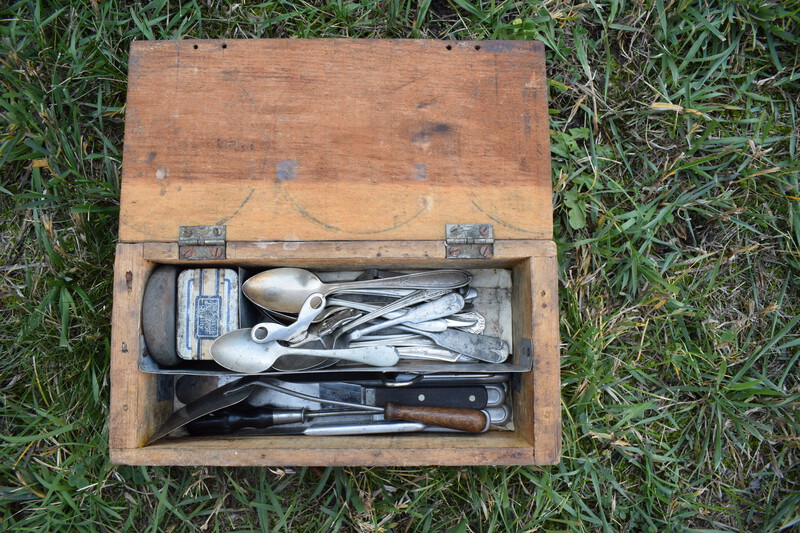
236,351
286,289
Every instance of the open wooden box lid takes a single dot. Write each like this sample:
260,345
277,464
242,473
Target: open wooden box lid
319,140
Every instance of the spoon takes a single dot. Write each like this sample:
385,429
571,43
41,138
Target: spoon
270,331
236,351
286,289
471,321
438,324
300,363
482,347
314,339
439,308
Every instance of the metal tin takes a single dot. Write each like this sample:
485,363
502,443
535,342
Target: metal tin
208,307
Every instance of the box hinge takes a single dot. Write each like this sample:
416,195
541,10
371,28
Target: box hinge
202,242
469,241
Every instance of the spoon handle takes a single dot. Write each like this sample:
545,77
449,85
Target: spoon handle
434,279
439,308
482,347
368,355
267,331
407,301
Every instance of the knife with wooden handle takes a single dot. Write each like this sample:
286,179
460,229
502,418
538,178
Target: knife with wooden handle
231,421
473,397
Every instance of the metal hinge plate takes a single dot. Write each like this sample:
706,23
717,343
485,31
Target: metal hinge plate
202,242
469,241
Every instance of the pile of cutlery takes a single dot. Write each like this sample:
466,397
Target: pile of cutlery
379,321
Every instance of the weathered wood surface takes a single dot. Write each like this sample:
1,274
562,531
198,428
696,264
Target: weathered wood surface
313,140
545,377
135,409
498,448
338,154
358,254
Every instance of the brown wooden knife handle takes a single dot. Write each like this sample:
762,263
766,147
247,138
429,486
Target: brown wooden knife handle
470,420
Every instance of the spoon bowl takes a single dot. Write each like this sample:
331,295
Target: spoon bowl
236,351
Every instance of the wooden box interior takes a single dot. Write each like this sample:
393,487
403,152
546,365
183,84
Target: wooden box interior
136,412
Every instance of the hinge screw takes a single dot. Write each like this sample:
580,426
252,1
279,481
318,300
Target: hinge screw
187,252
484,230
485,251
455,251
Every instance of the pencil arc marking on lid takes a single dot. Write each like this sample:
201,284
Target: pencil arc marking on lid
500,221
398,221
247,198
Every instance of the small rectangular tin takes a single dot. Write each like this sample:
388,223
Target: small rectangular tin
208,307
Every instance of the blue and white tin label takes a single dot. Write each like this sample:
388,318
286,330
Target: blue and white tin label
208,307
208,310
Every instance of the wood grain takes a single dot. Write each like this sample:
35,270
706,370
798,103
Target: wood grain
359,254
522,398
496,448
545,378
134,407
469,420
312,140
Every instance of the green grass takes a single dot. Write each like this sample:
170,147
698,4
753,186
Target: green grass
677,207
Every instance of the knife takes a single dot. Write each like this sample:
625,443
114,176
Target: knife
221,398
189,388
244,420
470,419
476,397
231,421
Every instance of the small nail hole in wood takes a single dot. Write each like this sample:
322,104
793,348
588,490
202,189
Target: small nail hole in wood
224,46
449,47
477,47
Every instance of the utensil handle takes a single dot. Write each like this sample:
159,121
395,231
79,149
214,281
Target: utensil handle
468,397
364,428
230,421
469,420
421,295
434,279
267,331
482,347
369,355
441,307
223,423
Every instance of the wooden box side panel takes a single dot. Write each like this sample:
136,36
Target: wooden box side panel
134,407
500,448
545,378
537,402
329,139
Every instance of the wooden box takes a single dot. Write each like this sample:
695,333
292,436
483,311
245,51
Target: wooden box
338,154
